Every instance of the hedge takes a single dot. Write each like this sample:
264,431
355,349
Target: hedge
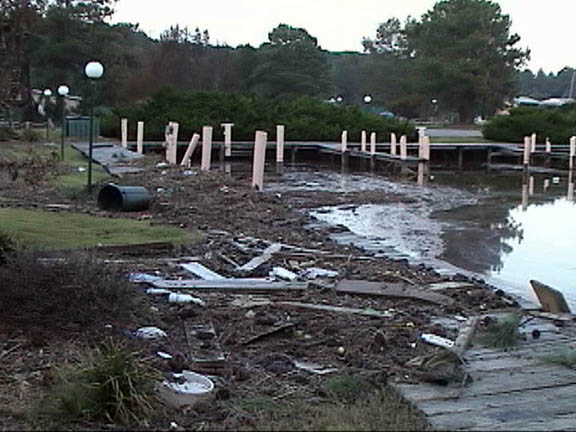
305,118
558,124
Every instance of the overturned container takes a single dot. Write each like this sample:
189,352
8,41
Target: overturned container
123,198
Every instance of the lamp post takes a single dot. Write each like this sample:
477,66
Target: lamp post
63,91
435,108
47,93
367,99
93,70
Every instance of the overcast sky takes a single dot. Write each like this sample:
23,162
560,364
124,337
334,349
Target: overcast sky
544,25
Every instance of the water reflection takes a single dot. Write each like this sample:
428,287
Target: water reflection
517,237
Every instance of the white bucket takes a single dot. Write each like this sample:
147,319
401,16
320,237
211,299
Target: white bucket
194,389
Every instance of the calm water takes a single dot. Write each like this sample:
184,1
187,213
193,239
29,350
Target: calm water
522,229
508,228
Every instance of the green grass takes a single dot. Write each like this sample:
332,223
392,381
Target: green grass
50,230
381,410
504,334
75,181
565,357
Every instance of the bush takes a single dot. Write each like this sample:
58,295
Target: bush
306,118
30,135
558,124
109,384
7,134
7,247
69,294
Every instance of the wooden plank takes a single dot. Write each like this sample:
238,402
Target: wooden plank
465,335
231,285
520,415
560,423
551,299
276,330
524,348
337,309
206,354
383,289
201,271
137,249
485,402
529,378
256,262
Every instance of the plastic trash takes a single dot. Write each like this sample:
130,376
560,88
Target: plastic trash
314,272
143,277
190,389
437,340
164,355
150,333
185,298
158,291
283,273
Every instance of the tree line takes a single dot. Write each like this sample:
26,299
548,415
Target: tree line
460,57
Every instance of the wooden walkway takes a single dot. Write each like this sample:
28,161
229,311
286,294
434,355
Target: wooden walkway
511,391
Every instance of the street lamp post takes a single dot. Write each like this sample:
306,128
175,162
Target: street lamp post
93,70
63,91
47,93
435,108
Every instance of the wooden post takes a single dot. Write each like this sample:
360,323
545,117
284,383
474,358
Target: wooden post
527,148
124,127
572,151
259,160
426,148
227,138
393,143
421,174
190,150
546,184
172,143
570,195
140,138
167,140
533,143
363,142
460,158
206,148
280,143
531,186
373,143
403,147
344,146
548,146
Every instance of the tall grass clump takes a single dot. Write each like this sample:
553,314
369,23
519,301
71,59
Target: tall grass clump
504,334
109,383
72,293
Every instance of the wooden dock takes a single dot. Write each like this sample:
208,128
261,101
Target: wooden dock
510,391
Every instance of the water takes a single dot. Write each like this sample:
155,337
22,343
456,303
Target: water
506,228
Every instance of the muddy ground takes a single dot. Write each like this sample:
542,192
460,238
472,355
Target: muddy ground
238,223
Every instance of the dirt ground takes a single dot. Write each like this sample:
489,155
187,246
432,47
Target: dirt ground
238,224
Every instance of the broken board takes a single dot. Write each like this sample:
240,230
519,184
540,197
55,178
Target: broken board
205,352
256,262
200,271
383,289
232,285
551,299
337,309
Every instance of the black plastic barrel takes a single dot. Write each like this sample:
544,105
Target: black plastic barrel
123,198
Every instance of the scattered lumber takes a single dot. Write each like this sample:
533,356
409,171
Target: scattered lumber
383,289
232,285
336,309
256,262
201,271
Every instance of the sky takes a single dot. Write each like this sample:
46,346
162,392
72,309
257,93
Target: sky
340,25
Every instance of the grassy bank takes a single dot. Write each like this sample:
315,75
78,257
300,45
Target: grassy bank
49,230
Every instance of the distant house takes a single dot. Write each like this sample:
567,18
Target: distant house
72,103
